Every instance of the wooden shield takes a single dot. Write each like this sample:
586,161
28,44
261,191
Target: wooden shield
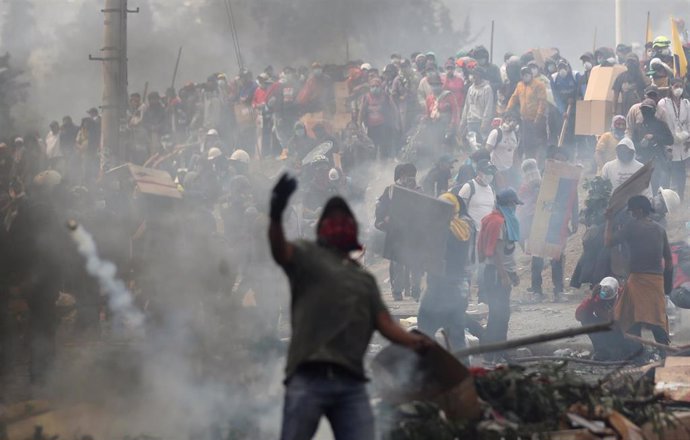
557,197
418,230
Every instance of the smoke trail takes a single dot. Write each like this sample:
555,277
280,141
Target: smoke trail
119,297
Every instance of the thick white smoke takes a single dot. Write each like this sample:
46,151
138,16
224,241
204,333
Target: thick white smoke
120,299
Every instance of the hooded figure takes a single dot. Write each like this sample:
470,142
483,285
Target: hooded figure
331,294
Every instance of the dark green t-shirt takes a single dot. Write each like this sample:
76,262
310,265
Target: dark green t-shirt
334,303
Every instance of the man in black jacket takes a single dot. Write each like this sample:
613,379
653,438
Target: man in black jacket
653,140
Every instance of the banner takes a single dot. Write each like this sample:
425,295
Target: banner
555,205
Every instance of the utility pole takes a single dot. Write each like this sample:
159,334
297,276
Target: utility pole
618,5
114,59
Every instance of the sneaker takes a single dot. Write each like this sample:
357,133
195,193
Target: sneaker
535,290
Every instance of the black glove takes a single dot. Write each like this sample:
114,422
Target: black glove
280,195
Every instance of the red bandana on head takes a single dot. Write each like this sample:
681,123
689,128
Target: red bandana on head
339,232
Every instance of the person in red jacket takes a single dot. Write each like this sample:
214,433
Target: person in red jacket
597,309
379,115
453,82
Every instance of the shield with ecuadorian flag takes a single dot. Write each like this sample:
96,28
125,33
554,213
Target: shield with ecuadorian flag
555,206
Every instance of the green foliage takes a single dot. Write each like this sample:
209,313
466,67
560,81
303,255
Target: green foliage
598,195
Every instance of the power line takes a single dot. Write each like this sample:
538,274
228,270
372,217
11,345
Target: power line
233,32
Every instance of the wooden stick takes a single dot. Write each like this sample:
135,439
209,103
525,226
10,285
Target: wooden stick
491,51
669,348
536,339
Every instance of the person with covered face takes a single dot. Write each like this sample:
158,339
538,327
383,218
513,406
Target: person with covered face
629,86
445,302
403,279
643,300
478,193
605,151
502,142
620,169
479,106
530,97
634,116
598,309
677,111
496,245
493,73
379,115
318,94
335,308
653,140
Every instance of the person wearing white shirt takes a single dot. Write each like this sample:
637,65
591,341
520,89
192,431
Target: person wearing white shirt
620,169
677,117
502,143
478,194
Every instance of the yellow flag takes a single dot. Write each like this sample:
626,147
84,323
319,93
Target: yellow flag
680,63
649,36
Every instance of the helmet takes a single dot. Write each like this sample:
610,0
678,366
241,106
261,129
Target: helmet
671,199
240,156
661,42
333,175
214,152
212,132
609,288
47,180
365,66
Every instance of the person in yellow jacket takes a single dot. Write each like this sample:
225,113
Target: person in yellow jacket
530,96
607,143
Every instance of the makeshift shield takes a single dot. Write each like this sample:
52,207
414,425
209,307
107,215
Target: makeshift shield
555,204
418,230
320,150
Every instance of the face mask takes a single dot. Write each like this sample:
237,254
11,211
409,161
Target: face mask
552,68
624,156
677,92
339,232
486,178
505,127
611,61
618,133
527,78
562,73
472,79
588,65
535,72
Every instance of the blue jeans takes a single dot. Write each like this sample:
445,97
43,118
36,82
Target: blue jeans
324,391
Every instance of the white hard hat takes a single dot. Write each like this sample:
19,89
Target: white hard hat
48,179
671,199
333,175
609,288
240,156
365,66
212,132
214,152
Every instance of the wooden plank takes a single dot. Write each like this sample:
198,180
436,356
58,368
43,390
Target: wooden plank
637,184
